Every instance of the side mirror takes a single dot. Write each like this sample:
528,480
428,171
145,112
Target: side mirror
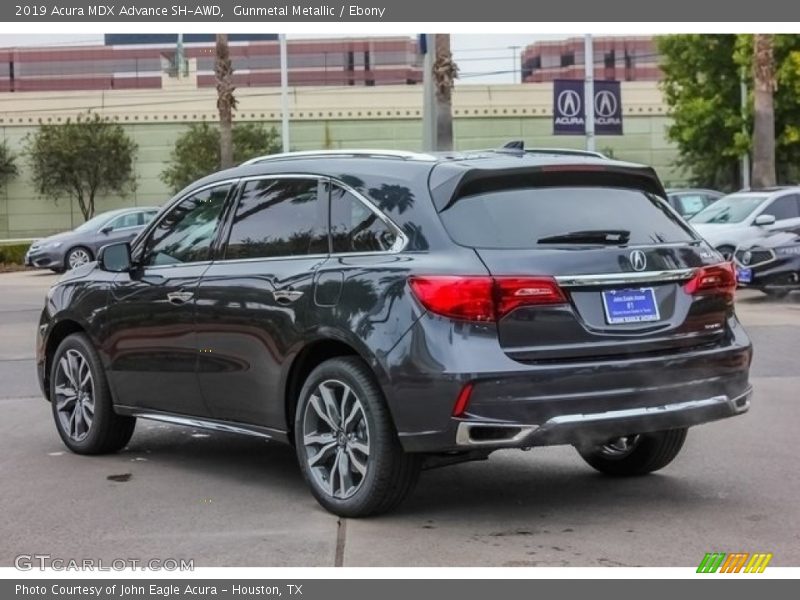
107,229
115,258
762,220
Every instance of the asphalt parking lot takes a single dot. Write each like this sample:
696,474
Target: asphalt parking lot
224,500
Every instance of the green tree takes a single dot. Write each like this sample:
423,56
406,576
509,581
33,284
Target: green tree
701,87
197,151
8,165
81,159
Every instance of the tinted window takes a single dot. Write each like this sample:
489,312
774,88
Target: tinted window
187,232
278,217
784,207
355,227
519,218
730,209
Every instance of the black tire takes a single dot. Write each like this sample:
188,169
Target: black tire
777,294
650,452
390,474
73,251
726,251
108,431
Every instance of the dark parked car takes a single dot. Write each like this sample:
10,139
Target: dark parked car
690,201
770,264
74,248
388,311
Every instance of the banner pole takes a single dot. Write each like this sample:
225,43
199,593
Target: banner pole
588,90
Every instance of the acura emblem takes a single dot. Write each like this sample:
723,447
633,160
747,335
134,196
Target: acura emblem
569,103
638,260
605,104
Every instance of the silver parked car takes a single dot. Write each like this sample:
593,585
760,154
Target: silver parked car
748,215
74,248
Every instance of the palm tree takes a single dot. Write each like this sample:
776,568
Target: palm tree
226,102
764,111
445,72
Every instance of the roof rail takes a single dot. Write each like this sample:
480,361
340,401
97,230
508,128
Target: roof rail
399,154
518,147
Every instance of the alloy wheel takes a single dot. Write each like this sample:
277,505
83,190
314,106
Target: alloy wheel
336,438
74,395
78,257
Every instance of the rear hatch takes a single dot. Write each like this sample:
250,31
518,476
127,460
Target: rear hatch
629,276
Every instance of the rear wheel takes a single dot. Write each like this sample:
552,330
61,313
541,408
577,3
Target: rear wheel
777,294
346,442
81,401
635,454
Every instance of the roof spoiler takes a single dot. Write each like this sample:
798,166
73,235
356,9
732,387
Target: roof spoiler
517,148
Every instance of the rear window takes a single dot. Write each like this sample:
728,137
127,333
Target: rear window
520,218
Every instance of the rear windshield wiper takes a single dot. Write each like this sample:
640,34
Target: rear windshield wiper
590,236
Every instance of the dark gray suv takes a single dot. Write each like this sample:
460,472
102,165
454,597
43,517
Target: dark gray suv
386,312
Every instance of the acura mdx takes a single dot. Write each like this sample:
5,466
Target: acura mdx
386,312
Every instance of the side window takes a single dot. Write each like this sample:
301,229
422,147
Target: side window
785,207
187,232
148,216
278,217
356,228
129,220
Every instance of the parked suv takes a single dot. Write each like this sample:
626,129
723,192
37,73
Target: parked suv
388,311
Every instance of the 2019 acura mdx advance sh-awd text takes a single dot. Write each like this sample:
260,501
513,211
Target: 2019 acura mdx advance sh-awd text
388,311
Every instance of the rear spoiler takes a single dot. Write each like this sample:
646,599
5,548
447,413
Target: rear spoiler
479,181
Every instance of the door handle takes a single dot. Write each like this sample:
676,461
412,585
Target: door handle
286,296
179,297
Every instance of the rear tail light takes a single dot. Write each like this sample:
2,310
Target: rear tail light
715,279
483,298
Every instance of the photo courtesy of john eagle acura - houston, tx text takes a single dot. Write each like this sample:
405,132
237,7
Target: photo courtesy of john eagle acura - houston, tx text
389,311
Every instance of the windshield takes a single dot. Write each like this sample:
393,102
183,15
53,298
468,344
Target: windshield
730,209
93,223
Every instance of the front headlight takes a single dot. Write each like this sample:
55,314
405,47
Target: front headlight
788,250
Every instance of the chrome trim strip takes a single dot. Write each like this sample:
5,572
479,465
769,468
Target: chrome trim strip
649,411
365,152
201,423
463,437
624,278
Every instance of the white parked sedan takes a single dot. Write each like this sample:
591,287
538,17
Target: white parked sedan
749,215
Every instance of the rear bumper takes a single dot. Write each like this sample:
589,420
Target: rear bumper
588,428
514,404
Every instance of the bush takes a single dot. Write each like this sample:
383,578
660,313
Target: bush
13,253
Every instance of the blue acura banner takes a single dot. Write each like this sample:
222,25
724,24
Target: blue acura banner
569,109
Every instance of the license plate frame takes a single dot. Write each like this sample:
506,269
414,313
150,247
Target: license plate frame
630,306
744,276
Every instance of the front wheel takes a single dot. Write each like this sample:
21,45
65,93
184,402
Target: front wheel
633,455
81,401
346,443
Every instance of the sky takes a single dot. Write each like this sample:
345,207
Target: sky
482,59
